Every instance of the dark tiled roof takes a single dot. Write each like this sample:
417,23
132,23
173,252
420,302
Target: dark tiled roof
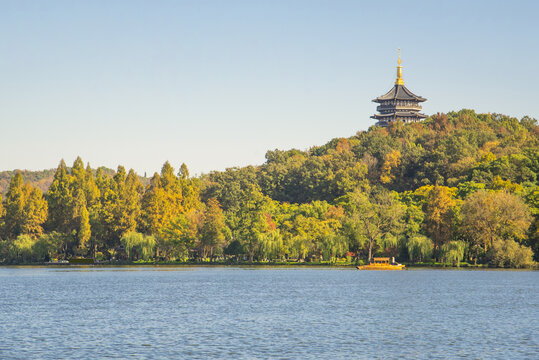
403,114
399,92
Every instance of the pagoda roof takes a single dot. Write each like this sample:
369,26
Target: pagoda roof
399,92
402,114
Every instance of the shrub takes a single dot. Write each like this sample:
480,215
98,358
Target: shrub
508,253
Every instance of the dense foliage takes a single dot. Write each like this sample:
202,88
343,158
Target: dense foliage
457,187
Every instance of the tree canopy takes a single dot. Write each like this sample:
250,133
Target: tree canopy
456,187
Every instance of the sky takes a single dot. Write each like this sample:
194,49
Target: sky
216,84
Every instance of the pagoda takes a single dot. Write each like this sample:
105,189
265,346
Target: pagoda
399,104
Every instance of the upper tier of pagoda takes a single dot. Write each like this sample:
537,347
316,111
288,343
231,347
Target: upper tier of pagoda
399,103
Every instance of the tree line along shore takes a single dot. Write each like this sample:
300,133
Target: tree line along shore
457,188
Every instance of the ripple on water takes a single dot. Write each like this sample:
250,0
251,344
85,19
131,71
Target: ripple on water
205,313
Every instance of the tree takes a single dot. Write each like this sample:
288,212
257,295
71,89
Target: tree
126,207
392,160
419,248
190,190
211,233
487,216
59,199
250,220
508,253
138,246
375,216
439,213
102,214
154,207
81,219
25,209
272,245
453,251
14,205
173,191
2,213
178,237
22,248
333,246
162,201
48,246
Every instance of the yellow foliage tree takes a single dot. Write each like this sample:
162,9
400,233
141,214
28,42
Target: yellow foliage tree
391,161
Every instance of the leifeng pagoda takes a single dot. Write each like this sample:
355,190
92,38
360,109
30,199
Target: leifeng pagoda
399,104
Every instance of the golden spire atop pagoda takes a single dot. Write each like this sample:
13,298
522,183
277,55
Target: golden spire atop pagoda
399,72
399,103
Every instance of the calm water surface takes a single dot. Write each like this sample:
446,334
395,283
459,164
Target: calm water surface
281,313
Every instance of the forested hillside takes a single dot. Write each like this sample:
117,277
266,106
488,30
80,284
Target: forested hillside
40,179
458,187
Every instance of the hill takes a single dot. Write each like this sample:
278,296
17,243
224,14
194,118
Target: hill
456,187
41,179
446,149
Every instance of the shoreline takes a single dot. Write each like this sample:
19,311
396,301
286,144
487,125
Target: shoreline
436,266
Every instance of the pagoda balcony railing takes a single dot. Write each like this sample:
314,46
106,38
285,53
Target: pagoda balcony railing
382,108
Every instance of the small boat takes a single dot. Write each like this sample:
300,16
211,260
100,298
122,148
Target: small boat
382,264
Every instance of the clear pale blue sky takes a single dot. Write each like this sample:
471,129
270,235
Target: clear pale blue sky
215,84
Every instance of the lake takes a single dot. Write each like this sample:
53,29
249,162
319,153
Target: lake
262,313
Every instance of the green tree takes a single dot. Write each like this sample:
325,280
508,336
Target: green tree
453,251
60,199
419,248
190,190
272,245
23,248
376,216
25,209
49,246
179,235
14,203
333,246
211,232
251,220
138,246
81,219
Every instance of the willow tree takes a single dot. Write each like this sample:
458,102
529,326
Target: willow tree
333,246
419,247
453,251
272,245
138,246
